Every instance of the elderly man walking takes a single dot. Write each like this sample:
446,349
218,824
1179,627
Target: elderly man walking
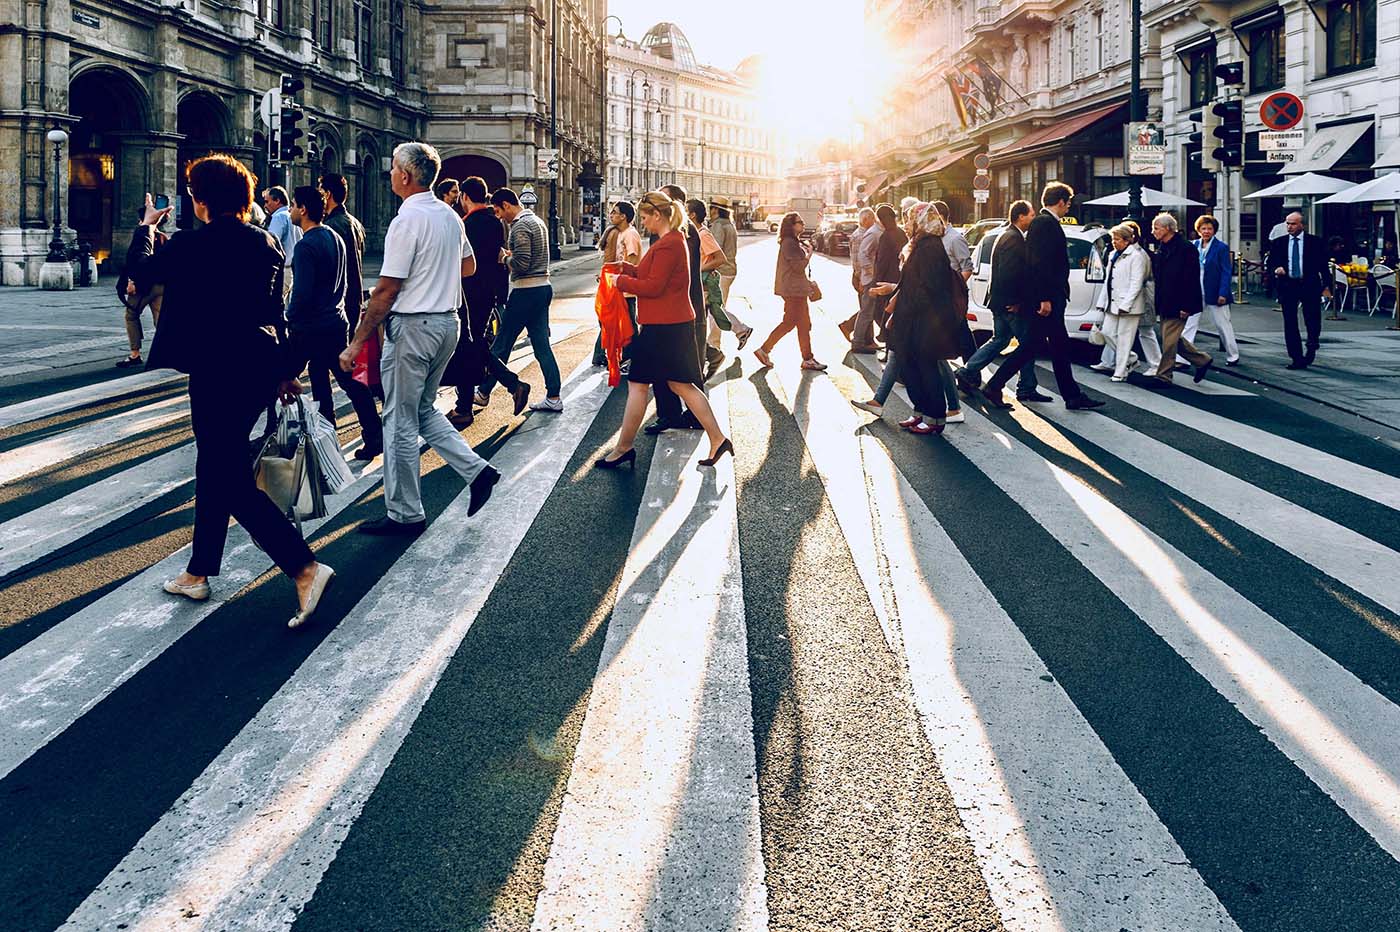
860,328
1176,269
426,256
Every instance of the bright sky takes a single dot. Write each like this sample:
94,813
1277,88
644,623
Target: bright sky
811,50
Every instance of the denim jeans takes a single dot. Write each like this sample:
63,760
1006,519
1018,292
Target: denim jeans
527,309
887,378
1004,327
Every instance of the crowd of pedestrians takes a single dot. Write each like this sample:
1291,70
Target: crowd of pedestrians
245,306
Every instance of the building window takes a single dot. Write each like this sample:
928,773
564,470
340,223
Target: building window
396,59
1266,60
1200,74
1351,35
364,32
1045,61
1098,41
1069,52
471,54
321,25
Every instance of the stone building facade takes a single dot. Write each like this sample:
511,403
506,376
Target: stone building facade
487,71
144,86
689,122
1067,65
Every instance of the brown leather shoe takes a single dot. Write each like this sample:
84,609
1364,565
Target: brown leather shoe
460,419
847,328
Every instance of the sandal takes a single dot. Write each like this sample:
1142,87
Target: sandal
762,356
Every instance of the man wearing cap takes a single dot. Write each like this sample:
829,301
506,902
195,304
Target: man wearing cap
723,230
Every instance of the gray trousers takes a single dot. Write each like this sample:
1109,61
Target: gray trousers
864,334
417,350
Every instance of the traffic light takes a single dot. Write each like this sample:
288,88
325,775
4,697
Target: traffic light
288,117
1202,141
1230,73
274,128
1230,132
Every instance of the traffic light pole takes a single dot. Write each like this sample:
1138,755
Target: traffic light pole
554,253
1135,112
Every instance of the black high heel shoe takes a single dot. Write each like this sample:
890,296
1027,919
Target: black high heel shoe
629,457
724,448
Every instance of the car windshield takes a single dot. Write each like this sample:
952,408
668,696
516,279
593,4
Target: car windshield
846,226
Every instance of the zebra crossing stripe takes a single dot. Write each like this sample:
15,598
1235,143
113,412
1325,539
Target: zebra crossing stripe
48,405
1036,788
246,845
660,824
33,457
1325,467
1348,557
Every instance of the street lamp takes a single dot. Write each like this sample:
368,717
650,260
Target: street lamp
603,101
56,274
632,123
646,175
57,251
702,169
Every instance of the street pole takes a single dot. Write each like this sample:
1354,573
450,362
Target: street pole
554,252
57,251
702,169
632,127
1136,111
603,111
646,116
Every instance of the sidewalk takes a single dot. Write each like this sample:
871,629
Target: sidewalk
69,332
1357,368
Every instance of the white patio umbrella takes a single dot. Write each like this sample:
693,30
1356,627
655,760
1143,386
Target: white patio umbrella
1150,198
1384,188
1307,185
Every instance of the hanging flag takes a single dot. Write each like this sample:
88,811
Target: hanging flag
955,88
991,82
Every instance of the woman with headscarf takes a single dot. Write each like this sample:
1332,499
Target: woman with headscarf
924,326
795,288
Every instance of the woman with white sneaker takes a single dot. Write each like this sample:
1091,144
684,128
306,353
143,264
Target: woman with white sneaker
1124,297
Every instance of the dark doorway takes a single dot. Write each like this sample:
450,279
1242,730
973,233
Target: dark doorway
465,166
106,163
204,122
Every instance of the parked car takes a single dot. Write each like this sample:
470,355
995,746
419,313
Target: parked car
1088,261
975,231
833,237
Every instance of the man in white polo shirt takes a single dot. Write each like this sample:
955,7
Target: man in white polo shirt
426,256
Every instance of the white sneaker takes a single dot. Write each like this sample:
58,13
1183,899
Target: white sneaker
1118,378
955,418
199,591
870,406
1132,361
552,405
480,400
1101,367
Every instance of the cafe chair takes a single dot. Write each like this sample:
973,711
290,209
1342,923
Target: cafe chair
1384,278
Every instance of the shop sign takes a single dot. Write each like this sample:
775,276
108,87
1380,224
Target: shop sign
1145,148
1279,141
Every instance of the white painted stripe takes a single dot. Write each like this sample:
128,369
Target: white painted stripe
21,370
1357,561
1207,387
32,535
41,454
66,328
246,845
48,405
63,349
1344,474
1036,789
660,826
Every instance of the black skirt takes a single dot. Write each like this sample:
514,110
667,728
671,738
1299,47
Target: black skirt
665,353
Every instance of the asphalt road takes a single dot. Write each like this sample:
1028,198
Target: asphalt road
1121,670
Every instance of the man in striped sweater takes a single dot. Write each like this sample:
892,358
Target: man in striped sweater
527,256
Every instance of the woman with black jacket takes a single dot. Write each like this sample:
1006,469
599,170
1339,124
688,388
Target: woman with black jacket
924,327
221,320
795,288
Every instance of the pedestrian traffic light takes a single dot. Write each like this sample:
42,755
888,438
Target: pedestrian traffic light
274,128
1230,73
289,115
1201,143
1230,132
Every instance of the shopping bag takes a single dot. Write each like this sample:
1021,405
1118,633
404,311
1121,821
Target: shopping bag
614,320
366,370
1096,336
334,470
286,467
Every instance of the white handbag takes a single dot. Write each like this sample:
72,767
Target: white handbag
335,471
287,468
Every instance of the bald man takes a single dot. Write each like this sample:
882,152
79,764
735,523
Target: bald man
1299,264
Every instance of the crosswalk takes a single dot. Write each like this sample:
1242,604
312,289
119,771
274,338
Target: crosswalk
1143,669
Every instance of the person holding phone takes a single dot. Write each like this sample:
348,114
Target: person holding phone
135,301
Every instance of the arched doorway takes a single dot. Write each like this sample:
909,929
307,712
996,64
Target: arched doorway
371,192
487,168
106,169
206,124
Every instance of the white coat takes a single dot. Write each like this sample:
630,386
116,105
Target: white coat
1130,274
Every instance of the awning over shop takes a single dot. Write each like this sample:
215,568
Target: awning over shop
1326,148
943,162
1058,131
1390,158
876,183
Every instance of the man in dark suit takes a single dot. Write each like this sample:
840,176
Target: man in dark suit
1299,263
1005,298
1176,269
1047,293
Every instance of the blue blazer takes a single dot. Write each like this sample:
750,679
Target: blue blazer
1215,280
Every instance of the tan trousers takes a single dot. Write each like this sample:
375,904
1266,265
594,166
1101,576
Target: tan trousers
1174,343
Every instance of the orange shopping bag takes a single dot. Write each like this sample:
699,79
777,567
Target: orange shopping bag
615,322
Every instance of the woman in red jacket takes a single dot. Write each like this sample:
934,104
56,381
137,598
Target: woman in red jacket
664,348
